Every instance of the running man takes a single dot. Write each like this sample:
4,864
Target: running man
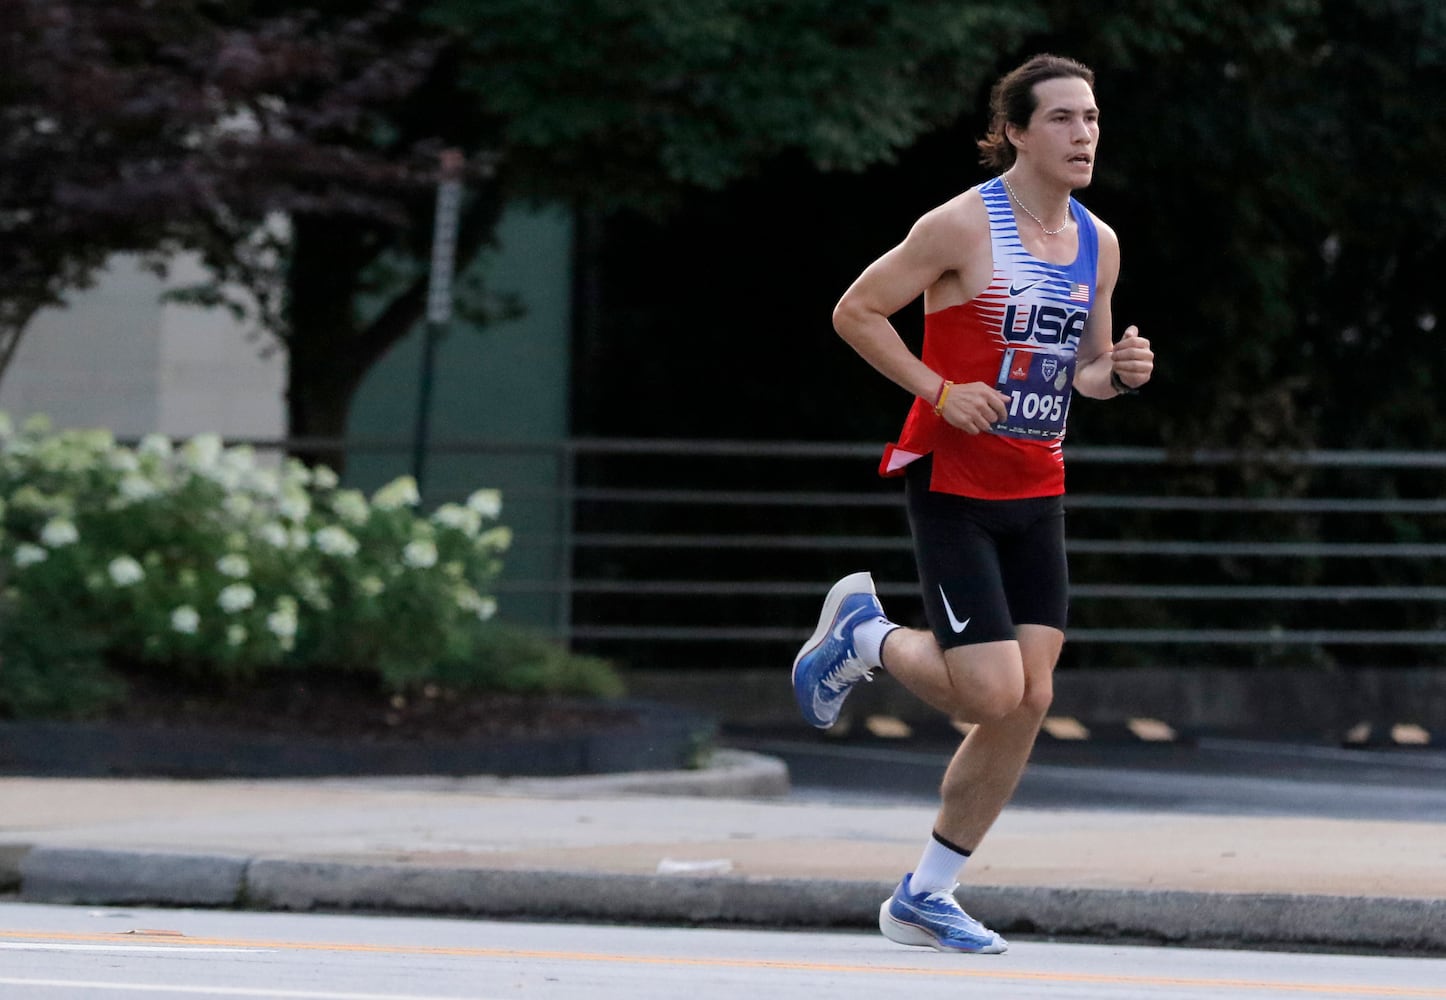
1016,277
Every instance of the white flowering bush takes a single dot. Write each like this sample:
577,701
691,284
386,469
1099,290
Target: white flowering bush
199,561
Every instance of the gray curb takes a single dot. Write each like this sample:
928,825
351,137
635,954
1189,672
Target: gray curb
1181,917
61,875
82,875
292,885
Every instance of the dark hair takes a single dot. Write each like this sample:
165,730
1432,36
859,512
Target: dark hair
1013,102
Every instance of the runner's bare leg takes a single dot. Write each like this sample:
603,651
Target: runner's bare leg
977,684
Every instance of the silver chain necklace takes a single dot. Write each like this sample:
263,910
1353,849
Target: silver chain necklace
1047,230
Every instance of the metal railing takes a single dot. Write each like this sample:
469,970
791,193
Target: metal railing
661,553
698,553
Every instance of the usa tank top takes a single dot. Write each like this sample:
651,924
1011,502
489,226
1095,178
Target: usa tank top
1020,335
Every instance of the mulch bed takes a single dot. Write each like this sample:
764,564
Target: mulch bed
347,707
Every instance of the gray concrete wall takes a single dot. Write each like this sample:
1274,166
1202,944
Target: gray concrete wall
118,357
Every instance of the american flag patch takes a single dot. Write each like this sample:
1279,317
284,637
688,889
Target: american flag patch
1079,292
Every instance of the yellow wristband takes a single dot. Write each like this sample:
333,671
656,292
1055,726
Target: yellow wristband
943,395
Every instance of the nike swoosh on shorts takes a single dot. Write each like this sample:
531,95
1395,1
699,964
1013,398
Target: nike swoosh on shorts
954,621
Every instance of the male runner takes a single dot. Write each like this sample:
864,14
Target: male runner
1016,277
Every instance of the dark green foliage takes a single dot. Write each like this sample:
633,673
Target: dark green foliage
628,103
53,669
517,661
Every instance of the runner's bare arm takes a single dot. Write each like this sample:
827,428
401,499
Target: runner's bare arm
927,257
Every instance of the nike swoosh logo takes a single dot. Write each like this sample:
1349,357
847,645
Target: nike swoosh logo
838,630
954,621
1013,290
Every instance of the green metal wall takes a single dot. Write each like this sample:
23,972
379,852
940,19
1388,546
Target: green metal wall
505,382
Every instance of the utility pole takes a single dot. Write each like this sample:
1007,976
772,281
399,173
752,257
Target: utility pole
439,299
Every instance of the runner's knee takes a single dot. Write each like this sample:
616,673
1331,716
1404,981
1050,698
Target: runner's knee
1040,648
997,695
1038,696
988,680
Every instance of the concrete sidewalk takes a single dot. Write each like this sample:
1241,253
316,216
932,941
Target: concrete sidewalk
722,845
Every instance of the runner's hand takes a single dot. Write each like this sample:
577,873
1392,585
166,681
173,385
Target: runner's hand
973,406
1132,359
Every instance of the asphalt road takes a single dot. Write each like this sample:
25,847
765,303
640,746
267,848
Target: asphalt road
75,953
1207,775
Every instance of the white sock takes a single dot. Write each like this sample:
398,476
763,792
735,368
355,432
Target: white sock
869,640
939,867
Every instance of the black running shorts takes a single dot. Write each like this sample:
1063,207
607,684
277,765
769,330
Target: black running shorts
986,566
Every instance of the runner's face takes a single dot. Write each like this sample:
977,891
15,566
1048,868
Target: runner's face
1063,132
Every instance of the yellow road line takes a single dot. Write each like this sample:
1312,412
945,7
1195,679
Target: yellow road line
998,974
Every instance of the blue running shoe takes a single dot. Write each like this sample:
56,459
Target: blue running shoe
935,920
827,667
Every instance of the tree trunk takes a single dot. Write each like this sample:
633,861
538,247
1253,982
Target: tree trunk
323,339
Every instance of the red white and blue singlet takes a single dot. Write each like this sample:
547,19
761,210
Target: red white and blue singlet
1019,335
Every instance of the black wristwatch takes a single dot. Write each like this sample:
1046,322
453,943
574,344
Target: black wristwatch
1118,384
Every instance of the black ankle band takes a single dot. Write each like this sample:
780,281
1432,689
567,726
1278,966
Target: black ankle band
951,845
882,643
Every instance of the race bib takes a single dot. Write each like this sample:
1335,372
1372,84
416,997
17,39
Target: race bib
1038,385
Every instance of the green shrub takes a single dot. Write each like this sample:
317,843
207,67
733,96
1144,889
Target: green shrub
204,564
